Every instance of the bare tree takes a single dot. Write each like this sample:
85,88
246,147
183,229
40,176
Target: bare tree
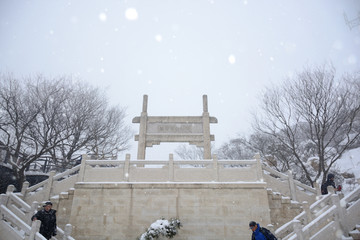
59,117
111,135
275,154
237,148
28,111
188,152
314,117
93,126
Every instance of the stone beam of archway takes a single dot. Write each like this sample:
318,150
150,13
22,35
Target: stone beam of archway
192,129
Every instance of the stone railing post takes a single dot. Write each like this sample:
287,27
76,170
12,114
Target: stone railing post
258,167
308,215
81,175
35,226
24,189
171,167
4,199
270,227
127,167
318,188
215,168
67,231
49,185
33,209
292,186
10,189
298,230
331,190
340,219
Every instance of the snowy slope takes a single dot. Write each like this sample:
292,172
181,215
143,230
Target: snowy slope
350,162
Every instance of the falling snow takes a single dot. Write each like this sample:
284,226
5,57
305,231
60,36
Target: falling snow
102,17
181,49
232,59
158,38
131,14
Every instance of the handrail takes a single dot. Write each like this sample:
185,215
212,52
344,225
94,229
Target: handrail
235,162
351,196
324,201
47,185
19,202
169,170
276,173
36,186
127,165
67,172
15,219
22,212
305,187
154,162
56,177
329,204
321,218
284,176
9,216
65,233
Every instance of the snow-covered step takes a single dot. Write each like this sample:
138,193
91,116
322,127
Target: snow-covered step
355,234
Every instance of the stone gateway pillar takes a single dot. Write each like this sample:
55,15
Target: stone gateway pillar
192,129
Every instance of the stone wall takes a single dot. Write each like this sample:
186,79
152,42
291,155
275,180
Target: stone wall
63,204
112,211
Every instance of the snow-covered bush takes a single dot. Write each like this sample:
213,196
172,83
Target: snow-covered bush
162,227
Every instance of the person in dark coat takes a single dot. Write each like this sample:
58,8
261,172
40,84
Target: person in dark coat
329,182
260,233
48,220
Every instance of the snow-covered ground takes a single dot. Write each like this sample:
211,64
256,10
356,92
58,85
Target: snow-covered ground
350,163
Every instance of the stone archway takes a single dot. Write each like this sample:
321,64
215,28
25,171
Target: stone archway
192,129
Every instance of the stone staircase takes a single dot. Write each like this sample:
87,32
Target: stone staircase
355,234
63,204
328,218
287,215
16,221
54,185
282,208
287,186
16,210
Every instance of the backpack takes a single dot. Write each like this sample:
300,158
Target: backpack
324,188
268,235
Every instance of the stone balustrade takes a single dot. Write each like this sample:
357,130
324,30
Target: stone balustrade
170,170
288,186
16,221
55,184
123,175
12,227
329,216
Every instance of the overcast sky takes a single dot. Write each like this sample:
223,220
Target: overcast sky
176,51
